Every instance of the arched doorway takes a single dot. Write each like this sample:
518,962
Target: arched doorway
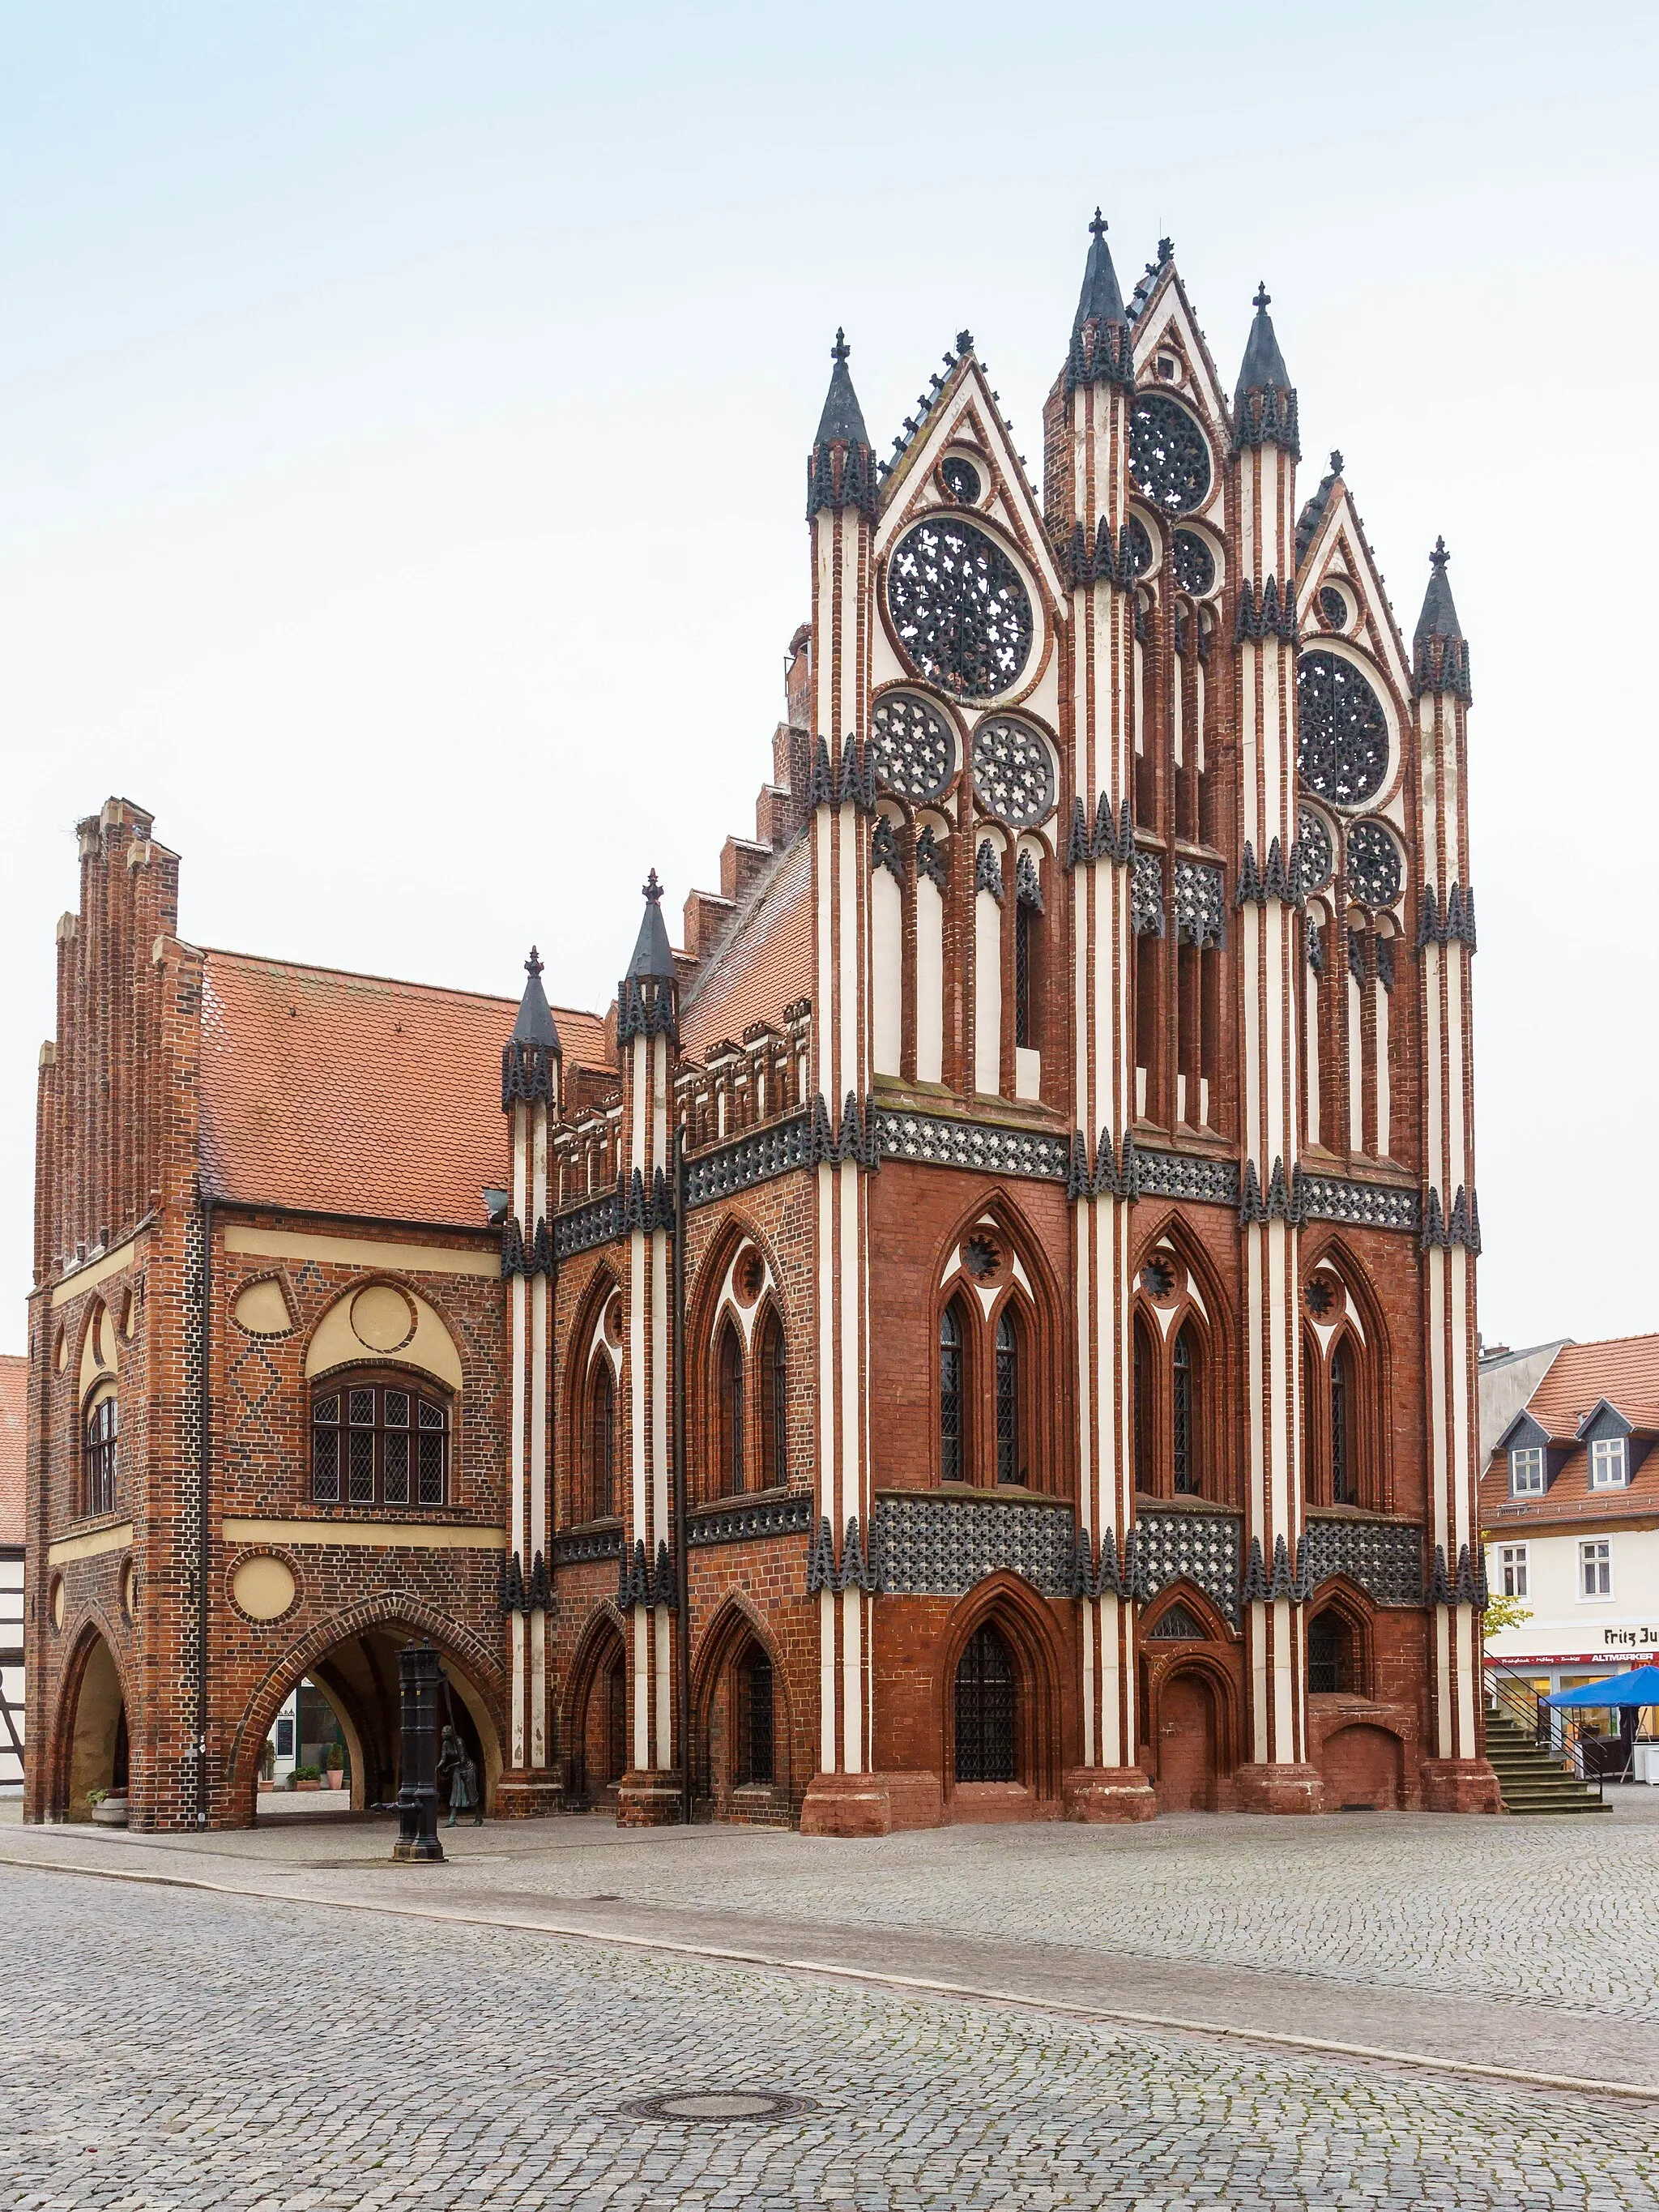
599,1736
94,1753
357,1673
1188,1743
741,1725
987,1687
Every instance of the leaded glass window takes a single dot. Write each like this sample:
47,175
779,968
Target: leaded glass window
985,1710
1182,1417
755,1754
1008,1466
1341,1454
729,1392
102,1452
376,1443
950,1395
602,1440
774,1376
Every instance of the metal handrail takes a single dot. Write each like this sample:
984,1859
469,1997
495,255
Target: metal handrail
1513,1695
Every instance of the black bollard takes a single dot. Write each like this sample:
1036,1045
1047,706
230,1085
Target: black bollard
418,1674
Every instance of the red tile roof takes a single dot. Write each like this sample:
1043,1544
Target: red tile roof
14,1429
763,964
1624,1369
345,1094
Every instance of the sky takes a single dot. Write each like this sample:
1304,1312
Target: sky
403,422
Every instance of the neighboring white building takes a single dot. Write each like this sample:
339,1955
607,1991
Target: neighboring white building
1570,1505
14,1415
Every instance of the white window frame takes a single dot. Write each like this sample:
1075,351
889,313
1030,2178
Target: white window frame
1609,1463
1595,1564
1527,1461
1515,1569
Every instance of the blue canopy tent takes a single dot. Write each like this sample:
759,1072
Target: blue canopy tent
1639,1688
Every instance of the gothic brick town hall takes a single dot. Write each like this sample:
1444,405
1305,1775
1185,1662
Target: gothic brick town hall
985,1331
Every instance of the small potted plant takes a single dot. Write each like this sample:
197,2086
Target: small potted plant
306,1777
109,1808
336,1758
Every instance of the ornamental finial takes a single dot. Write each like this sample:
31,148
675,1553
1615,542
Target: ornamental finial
1336,462
840,350
1439,557
652,889
964,341
1263,298
533,965
1097,227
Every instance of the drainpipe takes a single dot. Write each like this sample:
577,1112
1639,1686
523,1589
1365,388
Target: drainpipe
681,1576
203,1488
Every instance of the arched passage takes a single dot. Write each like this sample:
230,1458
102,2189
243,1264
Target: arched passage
353,1659
92,1740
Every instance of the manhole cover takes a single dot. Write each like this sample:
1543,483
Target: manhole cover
718,2105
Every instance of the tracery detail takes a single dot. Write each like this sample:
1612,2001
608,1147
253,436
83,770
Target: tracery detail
1314,842
1374,867
914,748
1195,563
961,610
1168,454
1013,775
1343,747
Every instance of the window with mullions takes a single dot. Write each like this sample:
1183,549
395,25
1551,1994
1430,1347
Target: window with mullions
1608,1463
729,1410
1527,1472
985,1710
755,1756
951,1395
1142,1408
1008,1466
773,1389
602,1440
1342,1441
378,1443
102,1449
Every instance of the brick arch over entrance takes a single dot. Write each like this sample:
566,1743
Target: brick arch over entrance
1025,1622
83,1744
714,1703
476,1675
1194,1727
596,1736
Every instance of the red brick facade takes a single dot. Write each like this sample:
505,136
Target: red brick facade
1077,1217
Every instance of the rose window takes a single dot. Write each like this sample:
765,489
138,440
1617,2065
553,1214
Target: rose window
1343,749
1168,454
961,612
1313,843
1195,563
1373,870
914,751
1013,775
961,480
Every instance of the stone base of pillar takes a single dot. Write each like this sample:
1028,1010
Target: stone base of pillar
649,1797
525,1793
846,1805
1280,1788
1107,1793
1460,1785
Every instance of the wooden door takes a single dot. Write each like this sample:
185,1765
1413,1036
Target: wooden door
1186,1746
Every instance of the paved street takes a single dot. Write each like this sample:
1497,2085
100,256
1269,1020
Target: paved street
165,2049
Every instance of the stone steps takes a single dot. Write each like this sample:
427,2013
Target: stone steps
1530,1780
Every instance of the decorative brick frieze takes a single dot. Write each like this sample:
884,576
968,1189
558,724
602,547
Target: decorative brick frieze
951,1144
1201,1548
1185,1175
1385,1557
757,1157
930,1546
1365,1204
587,1544
773,1516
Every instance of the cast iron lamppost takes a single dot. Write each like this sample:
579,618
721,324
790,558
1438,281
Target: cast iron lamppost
418,1674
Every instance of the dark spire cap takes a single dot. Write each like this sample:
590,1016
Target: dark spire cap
1439,617
652,960
842,419
1100,300
535,1025
1264,364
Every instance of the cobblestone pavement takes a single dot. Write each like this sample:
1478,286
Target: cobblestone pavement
163,2049
1562,1913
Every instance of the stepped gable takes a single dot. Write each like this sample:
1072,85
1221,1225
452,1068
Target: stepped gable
356,1095
14,1428
762,965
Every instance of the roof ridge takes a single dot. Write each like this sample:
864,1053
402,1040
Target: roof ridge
1598,1343
396,983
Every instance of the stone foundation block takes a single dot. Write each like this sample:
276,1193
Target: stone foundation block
1460,1785
1107,1794
848,1805
524,1794
649,1798
1280,1788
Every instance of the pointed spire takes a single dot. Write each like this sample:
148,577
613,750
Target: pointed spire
840,470
1438,646
652,959
535,1025
1100,300
1264,402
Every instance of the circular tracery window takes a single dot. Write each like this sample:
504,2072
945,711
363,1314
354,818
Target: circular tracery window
1168,454
1195,563
1342,752
961,479
961,612
1314,842
915,748
1013,775
1373,869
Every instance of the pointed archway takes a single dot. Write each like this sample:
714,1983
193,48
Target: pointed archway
90,1744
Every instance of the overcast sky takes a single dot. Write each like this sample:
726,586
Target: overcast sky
404,412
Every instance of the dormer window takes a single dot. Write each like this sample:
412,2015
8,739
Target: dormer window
1609,1466
1526,1471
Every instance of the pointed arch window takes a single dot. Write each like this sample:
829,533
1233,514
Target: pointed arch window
602,1440
729,1410
102,1451
985,1709
1007,1409
1184,1413
774,1377
755,1753
1341,1434
951,1395
1143,1406
1330,1653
